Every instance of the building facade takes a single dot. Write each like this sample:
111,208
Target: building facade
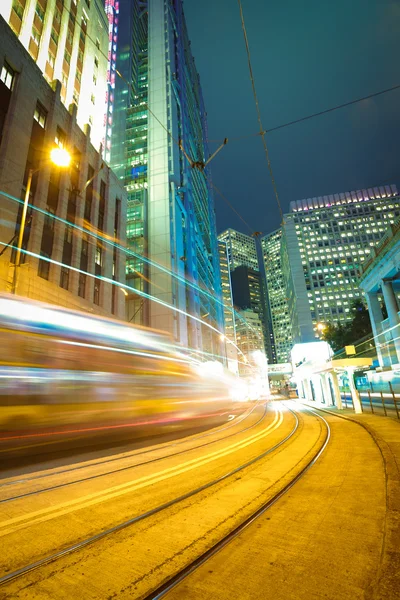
112,12
250,340
170,222
75,229
229,315
242,249
277,298
324,242
68,40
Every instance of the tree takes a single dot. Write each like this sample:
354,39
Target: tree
345,334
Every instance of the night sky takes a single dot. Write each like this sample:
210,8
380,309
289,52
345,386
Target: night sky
307,56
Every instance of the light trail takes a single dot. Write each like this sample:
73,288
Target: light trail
127,287
131,253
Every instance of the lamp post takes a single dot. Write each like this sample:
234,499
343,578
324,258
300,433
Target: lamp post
59,157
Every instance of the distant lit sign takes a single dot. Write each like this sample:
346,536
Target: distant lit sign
280,369
316,352
350,350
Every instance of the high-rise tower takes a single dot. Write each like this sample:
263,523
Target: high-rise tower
159,148
68,40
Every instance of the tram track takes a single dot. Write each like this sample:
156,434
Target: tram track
134,454
185,572
25,570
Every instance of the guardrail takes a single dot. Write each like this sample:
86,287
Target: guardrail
374,401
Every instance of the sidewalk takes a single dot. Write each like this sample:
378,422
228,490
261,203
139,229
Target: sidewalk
386,434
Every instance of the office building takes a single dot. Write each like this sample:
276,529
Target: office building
229,316
250,339
242,249
281,341
69,41
170,206
112,12
69,257
324,242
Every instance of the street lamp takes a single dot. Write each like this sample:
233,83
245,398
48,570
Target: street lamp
59,157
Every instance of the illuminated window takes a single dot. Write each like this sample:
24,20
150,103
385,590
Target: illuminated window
40,115
7,76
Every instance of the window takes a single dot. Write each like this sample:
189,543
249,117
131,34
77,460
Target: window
40,115
67,57
93,99
85,246
64,278
78,76
18,8
96,292
51,59
49,218
57,15
44,266
7,76
35,35
60,137
96,62
98,43
81,285
98,257
40,12
54,36
68,234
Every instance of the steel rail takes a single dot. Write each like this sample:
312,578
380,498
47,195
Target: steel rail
116,528
127,467
176,579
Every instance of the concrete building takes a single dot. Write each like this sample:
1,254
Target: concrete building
324,242
68,40
170,216
380,281
78,214
242,249
277,298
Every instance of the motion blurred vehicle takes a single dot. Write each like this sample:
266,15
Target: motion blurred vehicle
63,372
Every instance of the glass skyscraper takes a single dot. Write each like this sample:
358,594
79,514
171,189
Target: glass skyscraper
159,149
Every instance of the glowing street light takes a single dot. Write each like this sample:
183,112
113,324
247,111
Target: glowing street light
59,157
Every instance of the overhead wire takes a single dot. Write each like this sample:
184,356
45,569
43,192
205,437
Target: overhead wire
262,131
313,115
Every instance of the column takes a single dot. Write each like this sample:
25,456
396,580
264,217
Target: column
308,391
354,392
392,310
376,318
27,22
336,390
45,37
325,389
